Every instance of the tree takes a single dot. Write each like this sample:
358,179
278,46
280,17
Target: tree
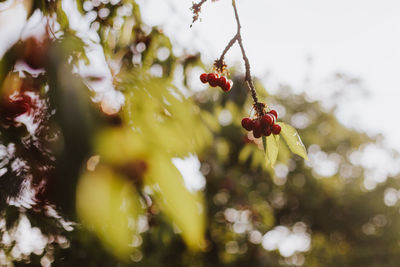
97,185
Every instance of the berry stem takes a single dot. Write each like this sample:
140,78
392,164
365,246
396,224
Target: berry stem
259,107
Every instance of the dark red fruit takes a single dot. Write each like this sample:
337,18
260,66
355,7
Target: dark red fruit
267,131
12,108
204,78
274,112
35,51
276,129
257,134
247,123
267,120
227,86
257,128
213,79
222,81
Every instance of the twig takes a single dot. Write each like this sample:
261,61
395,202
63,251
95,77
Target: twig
196,8
259,107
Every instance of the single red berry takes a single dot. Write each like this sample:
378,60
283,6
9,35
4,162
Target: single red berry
213,79
12,108
257,128
273,118
257,134
204,78
227,86
247,123
267,120
276,129
274,112
267,131
221,81
34,52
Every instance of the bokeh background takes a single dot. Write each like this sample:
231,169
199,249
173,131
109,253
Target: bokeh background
113,153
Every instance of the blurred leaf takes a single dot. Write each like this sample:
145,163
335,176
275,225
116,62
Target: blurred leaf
292,139
119,145
264,140
245,153
106,204
185,209
62,17
272,148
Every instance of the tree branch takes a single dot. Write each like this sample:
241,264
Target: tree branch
196,8
259,107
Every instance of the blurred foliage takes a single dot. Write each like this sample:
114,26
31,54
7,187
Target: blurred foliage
84,184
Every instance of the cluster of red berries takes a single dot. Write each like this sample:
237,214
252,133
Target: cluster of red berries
215,80
262,125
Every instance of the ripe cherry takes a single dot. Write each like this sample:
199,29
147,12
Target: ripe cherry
227,86
276,129
204,78
267,120
222,81
12,108
213,79
267,131
257,128
247,123
274,112
257,134
34,52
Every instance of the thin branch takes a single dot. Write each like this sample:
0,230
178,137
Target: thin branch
196,8
248,78
259,107
230,44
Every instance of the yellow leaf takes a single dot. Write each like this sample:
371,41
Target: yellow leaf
106,204
272,148
185,209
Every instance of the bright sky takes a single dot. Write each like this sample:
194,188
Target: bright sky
359,38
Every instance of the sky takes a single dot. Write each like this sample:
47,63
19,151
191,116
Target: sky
291,42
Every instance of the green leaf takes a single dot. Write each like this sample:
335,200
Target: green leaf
272,148
245,153
62,17
293,140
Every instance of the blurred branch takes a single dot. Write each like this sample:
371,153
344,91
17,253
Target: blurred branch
220,65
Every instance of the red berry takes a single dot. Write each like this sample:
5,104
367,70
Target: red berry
35,51
267,120
274,112
273,118
213,79
204,78
267,131
13,108
227,86
221,81
247,123
276,129
257,134
257,128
